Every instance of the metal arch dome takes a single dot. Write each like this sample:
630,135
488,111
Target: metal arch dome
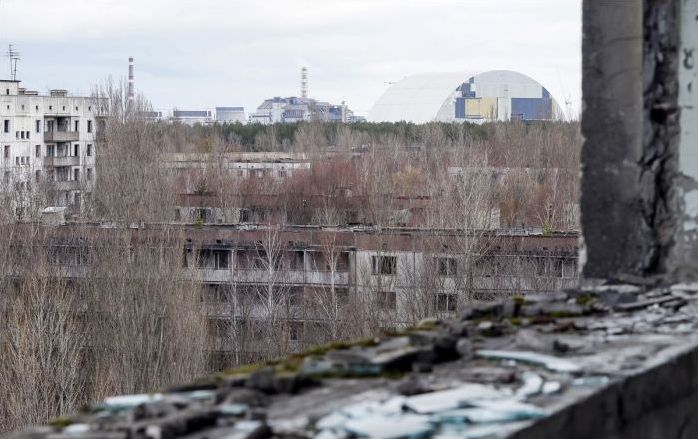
432,96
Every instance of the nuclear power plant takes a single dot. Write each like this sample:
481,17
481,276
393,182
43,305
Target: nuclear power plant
497,95
301,109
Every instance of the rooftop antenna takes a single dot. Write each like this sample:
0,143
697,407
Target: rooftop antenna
131,90
13,56
304,82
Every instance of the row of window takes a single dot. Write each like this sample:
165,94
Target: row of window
486,266
36,107
384,300
387,265
50,152
50,128
52,176
220,259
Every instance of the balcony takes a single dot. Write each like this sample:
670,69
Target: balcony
61,136
61,161
70,185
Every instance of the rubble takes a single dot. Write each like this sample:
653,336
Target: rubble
497,371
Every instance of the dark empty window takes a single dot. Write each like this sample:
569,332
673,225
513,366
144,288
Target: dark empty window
216,259
295,331
89,126
384,264
446,302
447,266
387,300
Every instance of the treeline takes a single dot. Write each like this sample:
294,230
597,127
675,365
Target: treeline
281,137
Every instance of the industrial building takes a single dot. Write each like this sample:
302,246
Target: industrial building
230,115
299,109
207,116
497,95
46,140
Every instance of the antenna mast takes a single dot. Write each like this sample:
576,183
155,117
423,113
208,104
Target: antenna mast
13,56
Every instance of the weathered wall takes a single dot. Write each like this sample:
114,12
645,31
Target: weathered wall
630,204
615,234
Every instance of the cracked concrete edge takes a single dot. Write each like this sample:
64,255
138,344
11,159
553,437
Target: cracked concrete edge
658,401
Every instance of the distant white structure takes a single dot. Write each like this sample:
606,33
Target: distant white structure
460,97
47,139
295,109
193,117
206,116
230,115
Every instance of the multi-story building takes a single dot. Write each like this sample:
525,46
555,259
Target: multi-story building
309,278
47,139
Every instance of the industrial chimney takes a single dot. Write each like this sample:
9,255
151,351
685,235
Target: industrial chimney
304,82
131,91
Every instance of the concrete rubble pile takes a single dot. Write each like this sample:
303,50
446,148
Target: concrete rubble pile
499,371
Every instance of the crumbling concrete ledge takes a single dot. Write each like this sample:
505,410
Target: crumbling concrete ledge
608,361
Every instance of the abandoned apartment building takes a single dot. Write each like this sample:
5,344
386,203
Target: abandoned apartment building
46,140
400,274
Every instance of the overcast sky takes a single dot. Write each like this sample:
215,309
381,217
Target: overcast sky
207,53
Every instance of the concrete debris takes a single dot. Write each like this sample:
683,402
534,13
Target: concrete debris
495,371
549,362
532,385
450,399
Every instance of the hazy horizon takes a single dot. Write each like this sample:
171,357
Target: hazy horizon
216,53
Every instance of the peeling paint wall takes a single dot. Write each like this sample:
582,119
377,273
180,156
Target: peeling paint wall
640,157
686,255
659,162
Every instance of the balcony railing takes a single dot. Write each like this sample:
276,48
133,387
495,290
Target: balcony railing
70,185
61,136
61,161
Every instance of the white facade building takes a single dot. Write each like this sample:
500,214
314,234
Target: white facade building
230,115
193,117
47,139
